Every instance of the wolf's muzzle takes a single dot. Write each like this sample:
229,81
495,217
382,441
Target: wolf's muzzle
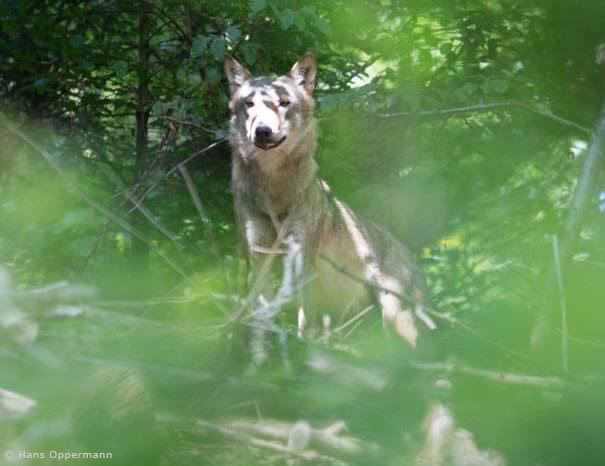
263,134
263,138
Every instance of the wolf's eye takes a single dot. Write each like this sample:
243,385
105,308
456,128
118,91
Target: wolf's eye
284,103
249,103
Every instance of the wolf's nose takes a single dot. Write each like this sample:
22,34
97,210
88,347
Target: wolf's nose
263,133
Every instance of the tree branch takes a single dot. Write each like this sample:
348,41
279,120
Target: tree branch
546,382
486,108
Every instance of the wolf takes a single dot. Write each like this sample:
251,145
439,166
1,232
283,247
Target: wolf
278,195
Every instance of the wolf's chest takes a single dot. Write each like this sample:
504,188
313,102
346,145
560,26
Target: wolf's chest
274,193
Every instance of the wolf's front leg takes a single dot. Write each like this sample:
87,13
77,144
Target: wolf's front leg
256,230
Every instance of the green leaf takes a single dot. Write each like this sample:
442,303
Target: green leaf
157,108
40,84
218,48
299,22
287,18
120,67
199,46
324,26
76,41
234,33
257,5
214,76
329,102
249,52
445,48
499,85
308,9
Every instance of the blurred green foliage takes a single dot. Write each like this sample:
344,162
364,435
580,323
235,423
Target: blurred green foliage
120,93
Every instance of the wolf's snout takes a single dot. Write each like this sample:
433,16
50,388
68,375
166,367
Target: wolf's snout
263,134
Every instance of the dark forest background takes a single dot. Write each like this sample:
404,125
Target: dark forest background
473,130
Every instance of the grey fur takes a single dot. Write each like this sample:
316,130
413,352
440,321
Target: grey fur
279,188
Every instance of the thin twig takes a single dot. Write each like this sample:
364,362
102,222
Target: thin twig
353,319
195,154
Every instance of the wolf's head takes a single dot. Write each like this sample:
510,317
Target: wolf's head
269,113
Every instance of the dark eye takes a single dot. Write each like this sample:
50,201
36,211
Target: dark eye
249,103
284,103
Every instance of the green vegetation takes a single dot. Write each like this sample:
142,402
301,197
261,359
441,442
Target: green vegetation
473,130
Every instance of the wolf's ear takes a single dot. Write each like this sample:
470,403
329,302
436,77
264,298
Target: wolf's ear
236,73
304,72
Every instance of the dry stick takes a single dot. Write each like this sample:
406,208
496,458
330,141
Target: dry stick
306,455
91,202
551,382
322,445
486,108
582,197
564,332
326,440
